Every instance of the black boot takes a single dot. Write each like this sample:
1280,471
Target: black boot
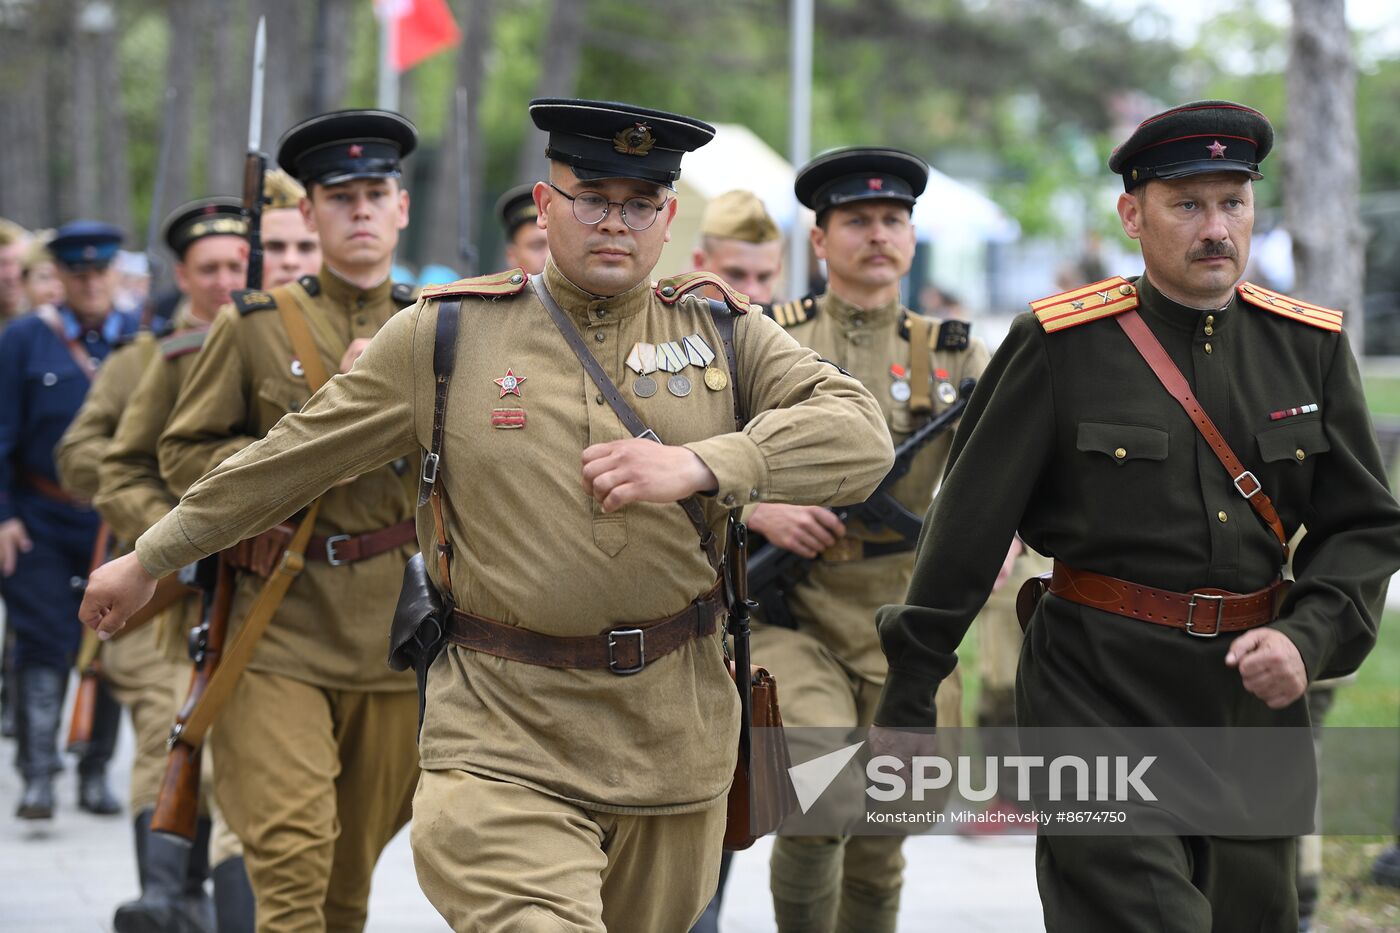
164,871
1386,870
41,692
195,903
94,795
9,716
234,905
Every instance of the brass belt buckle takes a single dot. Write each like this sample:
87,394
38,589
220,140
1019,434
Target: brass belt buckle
1191,614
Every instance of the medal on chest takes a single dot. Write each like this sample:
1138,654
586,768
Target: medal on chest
899,387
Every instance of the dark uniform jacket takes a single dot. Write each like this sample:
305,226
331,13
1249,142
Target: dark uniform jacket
1071,441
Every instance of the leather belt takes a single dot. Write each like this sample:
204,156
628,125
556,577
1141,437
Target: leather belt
347,549
623,650
1204,613
51,490
261,553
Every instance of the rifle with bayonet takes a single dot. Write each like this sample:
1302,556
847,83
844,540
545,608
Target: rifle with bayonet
255,162
177,807
774,572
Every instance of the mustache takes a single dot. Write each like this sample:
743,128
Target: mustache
1214,249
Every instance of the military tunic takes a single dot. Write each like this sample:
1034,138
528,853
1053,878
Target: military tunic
1071,440
836,604
244,380
513,496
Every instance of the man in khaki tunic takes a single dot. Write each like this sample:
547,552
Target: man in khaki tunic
830,667
316,695
207,239
588,795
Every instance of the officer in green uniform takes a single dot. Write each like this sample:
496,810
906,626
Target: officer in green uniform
1072,440
575,758
830,667
527,247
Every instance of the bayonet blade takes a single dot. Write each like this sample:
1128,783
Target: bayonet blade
255,109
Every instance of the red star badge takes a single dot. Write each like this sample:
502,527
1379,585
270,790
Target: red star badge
510,384
356,150
1217,150
876,184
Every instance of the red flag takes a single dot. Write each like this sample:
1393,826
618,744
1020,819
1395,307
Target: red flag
422,28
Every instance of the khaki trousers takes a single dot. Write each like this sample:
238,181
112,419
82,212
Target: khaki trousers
315,782
495,857
141,678
821,884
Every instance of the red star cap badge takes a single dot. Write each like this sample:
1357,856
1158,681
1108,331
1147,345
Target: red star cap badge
510,384
875,184
1217,150
356,150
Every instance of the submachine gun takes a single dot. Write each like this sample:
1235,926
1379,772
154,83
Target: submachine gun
774,572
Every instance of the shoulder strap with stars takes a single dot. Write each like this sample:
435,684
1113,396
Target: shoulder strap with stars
1291,308
183,344
248,300
673,289
495,285
1085,304
792,313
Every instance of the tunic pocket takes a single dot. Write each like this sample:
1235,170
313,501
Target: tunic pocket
280,396
1122,442
1296,442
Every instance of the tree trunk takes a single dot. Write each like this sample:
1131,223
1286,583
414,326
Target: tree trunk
230,52
443,242
563,51
115,192
1321,162
24,158
287,95
174,188
82,122
329,64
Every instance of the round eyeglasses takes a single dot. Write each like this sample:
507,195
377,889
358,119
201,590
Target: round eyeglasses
590,208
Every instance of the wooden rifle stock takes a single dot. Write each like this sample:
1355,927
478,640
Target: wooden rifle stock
177,806
89,667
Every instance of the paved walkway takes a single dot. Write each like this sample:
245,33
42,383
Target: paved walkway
68,876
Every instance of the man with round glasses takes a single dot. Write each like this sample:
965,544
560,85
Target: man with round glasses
576,759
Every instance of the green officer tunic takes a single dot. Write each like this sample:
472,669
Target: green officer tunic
1071,441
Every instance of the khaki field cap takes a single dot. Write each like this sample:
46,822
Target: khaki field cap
739,215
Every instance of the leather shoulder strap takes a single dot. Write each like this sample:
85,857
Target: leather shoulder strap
724,323
50,316
920,343
429,489
694,511
294,320
1175,383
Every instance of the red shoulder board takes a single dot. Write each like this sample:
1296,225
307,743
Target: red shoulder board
1291,308
495,285
1085,303
183,344
673,289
